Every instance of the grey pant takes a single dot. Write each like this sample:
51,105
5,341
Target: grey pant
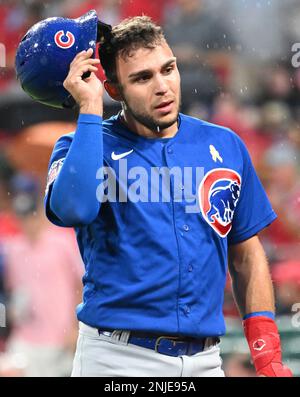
111,356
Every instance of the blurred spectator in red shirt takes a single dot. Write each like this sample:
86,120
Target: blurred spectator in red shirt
283,188
112,11
279,83
43,270
9,224
16,17
107,10
293,136
244,120
154,9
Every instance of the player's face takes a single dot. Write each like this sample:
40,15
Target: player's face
150,86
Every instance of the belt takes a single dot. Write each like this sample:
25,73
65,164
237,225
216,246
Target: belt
169,345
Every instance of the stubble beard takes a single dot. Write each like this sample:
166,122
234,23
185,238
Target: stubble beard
150,122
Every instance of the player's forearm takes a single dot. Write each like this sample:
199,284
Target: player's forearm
251,280
254,295
73,197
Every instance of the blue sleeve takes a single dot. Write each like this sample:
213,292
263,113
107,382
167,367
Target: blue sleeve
254,211
70,198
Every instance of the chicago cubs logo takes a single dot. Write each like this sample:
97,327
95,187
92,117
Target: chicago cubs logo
218,193
64,40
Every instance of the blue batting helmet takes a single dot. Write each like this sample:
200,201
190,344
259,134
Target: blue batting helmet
44,55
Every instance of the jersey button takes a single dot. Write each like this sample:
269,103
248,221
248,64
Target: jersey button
187,309
170,150
191,268
186,228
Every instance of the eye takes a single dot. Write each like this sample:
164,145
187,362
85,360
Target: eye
142,78
169,69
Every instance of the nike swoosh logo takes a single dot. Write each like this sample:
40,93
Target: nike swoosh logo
115,156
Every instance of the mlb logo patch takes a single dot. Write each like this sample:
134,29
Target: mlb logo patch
53,173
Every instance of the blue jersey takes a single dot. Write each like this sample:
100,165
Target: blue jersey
155,245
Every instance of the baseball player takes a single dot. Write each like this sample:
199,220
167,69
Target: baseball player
160,201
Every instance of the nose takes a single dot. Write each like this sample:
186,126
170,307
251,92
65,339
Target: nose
161,86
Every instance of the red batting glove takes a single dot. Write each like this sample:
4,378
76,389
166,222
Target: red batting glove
264,342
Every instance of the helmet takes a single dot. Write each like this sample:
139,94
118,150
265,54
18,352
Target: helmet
44,55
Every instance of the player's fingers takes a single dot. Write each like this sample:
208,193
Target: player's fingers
77,68
82,55
77,71
89,52
90,61
82,62
74,78
92,76
85,68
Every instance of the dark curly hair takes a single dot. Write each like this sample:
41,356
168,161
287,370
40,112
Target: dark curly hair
129,35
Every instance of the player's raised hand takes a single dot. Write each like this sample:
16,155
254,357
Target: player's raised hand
87,92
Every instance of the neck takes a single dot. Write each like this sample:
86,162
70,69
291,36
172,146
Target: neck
135,126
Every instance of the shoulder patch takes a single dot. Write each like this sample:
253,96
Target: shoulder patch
53,173
219,193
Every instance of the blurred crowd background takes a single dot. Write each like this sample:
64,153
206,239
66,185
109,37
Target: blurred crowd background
235,59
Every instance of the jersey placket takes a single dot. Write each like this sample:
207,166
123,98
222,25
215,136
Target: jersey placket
181,230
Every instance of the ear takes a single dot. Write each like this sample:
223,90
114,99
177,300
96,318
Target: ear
112,90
